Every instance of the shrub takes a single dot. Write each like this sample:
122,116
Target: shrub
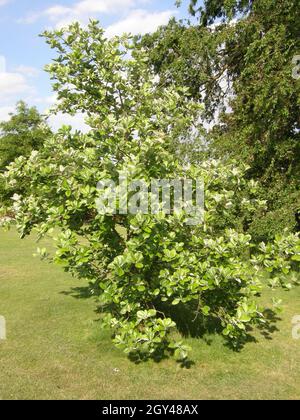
141,265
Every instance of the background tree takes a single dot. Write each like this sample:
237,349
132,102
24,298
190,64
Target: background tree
25,131
239,58
218,9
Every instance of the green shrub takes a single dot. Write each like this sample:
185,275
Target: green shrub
140,264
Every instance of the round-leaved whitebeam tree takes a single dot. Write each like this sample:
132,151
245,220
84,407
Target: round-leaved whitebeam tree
145,268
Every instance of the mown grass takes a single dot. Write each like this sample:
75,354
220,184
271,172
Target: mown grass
57,349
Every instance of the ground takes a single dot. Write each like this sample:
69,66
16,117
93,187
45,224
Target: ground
56,347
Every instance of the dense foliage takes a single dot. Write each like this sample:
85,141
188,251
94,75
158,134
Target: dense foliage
25,131
240,59
142,266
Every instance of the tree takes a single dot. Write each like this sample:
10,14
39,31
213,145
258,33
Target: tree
189,56
141,265
25,131
218,9
251,47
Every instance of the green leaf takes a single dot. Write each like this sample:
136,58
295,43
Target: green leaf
176,301
205,310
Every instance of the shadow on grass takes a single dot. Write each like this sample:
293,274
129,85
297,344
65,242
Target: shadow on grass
85,292
189,326
265,329
138,357
158,356
203,327
269,328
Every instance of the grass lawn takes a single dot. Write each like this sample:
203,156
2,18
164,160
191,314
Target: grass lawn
56,348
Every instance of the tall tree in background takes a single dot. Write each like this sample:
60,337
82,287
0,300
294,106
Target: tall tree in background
25,131
239,59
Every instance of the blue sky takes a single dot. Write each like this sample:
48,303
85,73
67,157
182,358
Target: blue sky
23,53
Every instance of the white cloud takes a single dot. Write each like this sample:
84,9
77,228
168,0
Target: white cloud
27,71
140,22
13,87
102,6
77,122
11,83
40,101
3,2
80,11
